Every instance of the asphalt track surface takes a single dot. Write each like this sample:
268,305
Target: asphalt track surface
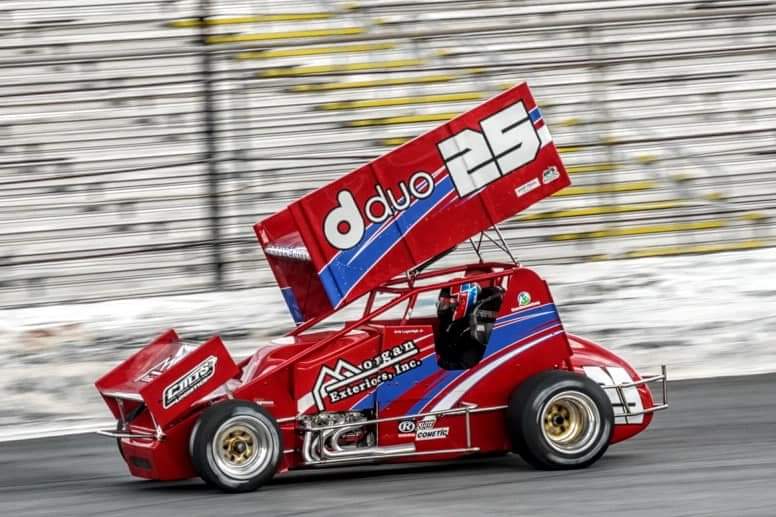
712,454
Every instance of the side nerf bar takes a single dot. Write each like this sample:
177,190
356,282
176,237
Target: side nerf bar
110,433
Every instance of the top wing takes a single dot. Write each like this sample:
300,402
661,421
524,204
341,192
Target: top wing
407,206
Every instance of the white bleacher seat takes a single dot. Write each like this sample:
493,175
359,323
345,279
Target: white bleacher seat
665,114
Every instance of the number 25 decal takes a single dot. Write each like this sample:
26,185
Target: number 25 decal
507,142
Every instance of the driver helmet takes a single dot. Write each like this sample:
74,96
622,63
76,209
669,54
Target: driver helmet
459,299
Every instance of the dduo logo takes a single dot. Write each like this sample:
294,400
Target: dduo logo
474,159
344,225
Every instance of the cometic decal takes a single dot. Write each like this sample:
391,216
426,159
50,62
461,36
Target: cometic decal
427,430
424,429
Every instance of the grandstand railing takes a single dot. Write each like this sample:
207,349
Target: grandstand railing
140,140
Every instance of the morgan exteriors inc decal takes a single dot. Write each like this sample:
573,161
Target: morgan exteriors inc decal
184,386
347,380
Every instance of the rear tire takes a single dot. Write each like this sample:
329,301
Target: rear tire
560,420
236,446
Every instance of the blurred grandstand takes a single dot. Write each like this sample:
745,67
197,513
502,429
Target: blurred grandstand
142,139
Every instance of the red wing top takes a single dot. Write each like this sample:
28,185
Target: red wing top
410,205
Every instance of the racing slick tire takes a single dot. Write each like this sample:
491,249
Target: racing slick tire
560,420
236,446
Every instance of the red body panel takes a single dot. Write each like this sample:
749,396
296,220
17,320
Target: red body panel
166,459
168,376
389,368
589,355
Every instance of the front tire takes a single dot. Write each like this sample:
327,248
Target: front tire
560,420
236,446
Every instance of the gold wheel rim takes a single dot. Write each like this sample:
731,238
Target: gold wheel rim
243,446
570,422
561,421
238,445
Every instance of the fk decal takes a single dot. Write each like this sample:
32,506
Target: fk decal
166,364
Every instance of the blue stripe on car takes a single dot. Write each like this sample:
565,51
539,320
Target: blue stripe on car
531,321
349,266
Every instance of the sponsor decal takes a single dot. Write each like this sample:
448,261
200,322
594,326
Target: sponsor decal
344,225
407,427
408,331
550,174
523,299
347,380
525,188
185,385
427,431
507,141
166,364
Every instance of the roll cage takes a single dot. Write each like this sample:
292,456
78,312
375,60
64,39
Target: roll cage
404,289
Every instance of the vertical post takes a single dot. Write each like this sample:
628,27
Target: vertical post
214,202
602,125
664,373
468,428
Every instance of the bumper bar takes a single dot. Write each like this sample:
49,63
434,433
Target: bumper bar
662,378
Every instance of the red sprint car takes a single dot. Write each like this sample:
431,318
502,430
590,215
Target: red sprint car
392,360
